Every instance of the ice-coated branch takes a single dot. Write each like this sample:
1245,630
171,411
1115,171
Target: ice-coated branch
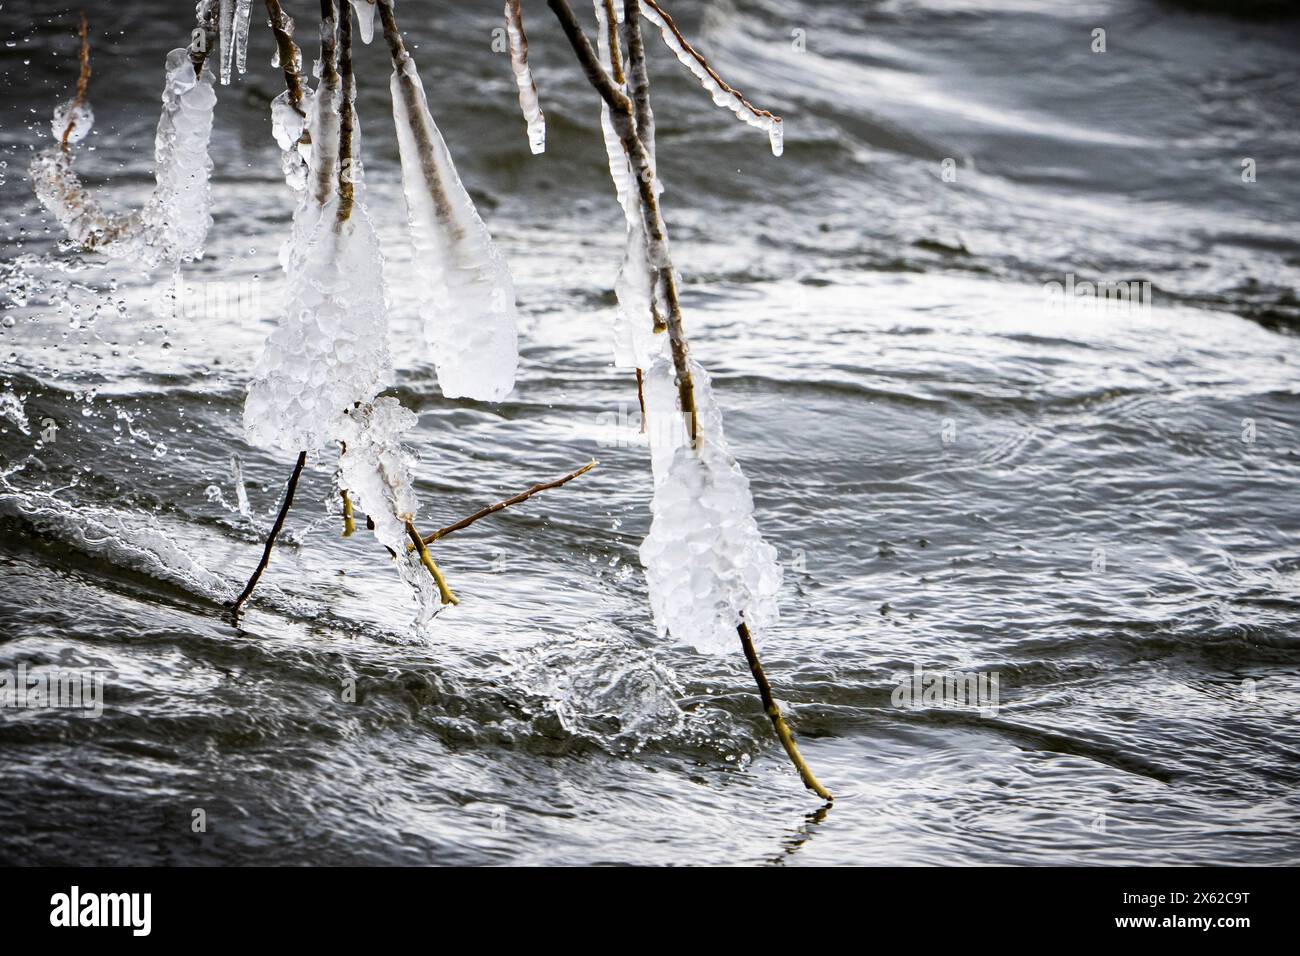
347,118
289,55
638,82
724,94
528,103
624,120
514,500
328,109
467,297
638,286
275,533
711,575
173,223
290,123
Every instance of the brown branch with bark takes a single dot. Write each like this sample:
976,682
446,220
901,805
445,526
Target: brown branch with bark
290,55
83,81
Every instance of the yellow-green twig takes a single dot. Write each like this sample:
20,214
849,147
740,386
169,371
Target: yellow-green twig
778,722
431,566
493,509
349,524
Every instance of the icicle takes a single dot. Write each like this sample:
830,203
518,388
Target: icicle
468,300
225,32
365,11
241,493
528,103
377,472
177,218
706,563
243,12
174,222
723,94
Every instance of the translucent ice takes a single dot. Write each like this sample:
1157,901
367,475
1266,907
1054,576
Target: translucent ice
72,119
723,94
330,349
365,11
226,38
179,214
174,222
243,11
705,561
378,473
468,298
635,343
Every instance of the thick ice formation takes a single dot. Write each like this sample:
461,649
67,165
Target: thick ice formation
330,350
706,563
468,298
528,103
723,95
174,222
635,343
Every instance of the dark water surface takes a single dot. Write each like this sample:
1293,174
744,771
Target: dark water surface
959,473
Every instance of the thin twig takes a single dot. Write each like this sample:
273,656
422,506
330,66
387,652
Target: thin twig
774,712
83,80
430,565
622,116
522,496
275,532
640,396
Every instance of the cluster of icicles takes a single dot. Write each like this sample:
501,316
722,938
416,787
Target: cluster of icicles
319,380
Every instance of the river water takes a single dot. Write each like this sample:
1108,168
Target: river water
963,471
